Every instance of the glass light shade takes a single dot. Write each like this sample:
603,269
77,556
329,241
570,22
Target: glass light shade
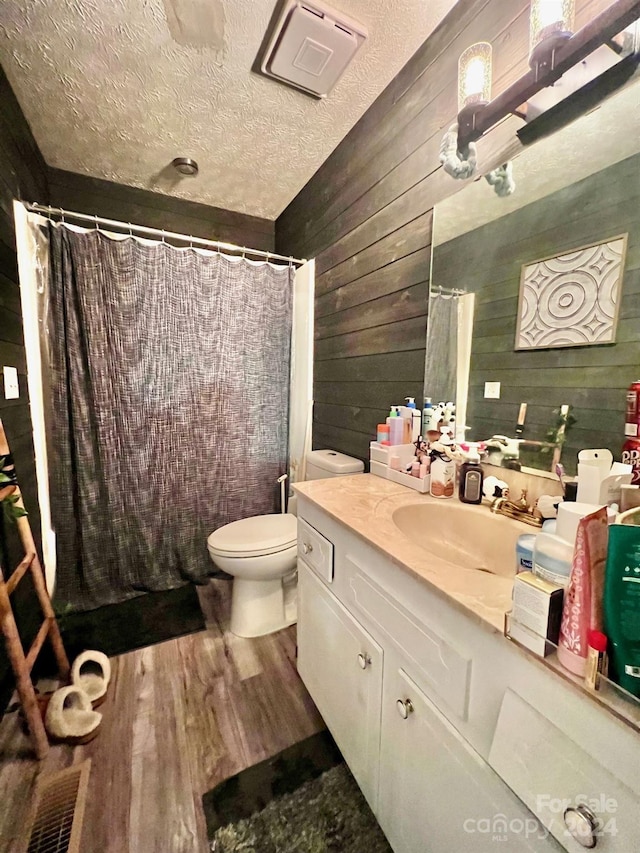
632,37
474,75
549,18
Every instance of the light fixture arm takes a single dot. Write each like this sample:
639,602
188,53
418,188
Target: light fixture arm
597,32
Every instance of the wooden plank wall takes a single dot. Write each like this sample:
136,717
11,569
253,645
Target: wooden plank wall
23,174
156,210
366,215
593,379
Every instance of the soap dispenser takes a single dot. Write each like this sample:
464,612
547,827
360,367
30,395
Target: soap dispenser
443,467
471,475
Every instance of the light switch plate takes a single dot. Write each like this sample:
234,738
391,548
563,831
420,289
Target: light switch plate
11,387
492,390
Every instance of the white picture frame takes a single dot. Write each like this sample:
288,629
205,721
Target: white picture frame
572,299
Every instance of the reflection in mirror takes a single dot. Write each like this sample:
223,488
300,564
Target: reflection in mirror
575,189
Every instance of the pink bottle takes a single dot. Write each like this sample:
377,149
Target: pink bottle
582,608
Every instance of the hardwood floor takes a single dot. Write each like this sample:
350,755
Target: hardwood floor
180,717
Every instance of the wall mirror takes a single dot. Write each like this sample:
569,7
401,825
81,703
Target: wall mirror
574,189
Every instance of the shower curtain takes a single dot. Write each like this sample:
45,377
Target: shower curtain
169,407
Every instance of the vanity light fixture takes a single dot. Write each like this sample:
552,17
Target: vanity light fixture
474,79
550,26
555,50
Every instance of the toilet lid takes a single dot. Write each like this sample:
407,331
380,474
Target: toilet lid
262,534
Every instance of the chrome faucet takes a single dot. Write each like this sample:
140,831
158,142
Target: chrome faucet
520,510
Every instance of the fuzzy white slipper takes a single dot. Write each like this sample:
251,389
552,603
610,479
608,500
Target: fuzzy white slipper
91,672
70,718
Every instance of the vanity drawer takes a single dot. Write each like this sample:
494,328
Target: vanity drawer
550,772
315,550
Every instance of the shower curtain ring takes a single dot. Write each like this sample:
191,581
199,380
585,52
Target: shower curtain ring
244,252
130,229
163,236
62,215
191,241
290,261
95,216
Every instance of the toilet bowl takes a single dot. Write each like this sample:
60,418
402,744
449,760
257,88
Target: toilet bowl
260,553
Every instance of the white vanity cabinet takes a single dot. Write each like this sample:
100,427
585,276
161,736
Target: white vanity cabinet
436,793
341,665
458,739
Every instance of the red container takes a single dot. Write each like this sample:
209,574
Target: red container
632,419
631,456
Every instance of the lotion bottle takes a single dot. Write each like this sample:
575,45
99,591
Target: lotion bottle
427,413
396,427
416,421
582,606
622,606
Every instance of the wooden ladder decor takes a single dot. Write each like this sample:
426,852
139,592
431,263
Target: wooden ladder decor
20,663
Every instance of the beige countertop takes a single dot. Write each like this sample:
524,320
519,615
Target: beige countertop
365,504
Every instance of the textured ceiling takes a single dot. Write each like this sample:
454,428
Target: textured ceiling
117,89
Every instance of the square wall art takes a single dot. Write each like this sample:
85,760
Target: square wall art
572,300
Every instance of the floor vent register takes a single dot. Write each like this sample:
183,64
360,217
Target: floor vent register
58,810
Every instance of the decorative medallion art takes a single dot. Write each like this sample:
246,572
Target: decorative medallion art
572,300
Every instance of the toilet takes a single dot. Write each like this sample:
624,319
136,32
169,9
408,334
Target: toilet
261,555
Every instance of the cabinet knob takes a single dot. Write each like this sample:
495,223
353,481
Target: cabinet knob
404,707
364,660
582,825
307,547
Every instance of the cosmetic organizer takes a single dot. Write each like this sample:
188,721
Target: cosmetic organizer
380,457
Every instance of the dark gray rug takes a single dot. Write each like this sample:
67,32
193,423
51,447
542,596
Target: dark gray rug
153,617
293,804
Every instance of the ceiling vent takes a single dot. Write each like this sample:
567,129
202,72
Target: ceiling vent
311,47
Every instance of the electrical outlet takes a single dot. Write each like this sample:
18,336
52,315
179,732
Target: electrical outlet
492,390
11,387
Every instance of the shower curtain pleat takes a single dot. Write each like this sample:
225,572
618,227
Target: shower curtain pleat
170,397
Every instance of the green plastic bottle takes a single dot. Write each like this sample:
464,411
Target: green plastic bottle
621,606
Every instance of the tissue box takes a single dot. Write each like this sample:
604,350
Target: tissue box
537,606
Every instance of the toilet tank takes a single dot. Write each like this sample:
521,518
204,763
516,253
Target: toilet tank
326,463
330,463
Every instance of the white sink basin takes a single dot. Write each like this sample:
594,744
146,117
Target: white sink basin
472,537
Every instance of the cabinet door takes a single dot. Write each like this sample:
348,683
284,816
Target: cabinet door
436,793
341,665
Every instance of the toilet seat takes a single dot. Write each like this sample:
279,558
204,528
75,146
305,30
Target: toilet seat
251,537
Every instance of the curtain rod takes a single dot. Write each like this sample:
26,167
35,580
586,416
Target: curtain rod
49,212
443,291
